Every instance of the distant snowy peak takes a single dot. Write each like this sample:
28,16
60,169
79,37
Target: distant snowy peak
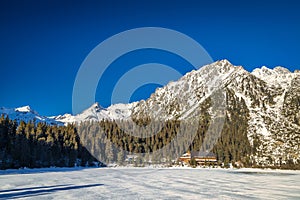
24,109
120,111
279,76
281,70
65,119
21,110
265,71
96,107
97,113
26,114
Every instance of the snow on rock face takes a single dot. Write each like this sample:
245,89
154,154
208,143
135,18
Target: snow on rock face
26,114
66,118
23,109
93,113
271,98
278,77
181,98
281,70
97,113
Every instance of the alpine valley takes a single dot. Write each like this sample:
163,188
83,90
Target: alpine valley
257,114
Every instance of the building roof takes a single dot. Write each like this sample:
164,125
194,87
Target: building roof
202,154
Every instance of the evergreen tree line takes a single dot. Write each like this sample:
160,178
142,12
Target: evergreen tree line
124,141
40,145
110,141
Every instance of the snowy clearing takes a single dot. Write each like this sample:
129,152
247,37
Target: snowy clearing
143,183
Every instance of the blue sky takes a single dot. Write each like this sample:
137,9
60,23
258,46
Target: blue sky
43,43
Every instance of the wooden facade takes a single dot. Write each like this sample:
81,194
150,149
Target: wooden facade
202,158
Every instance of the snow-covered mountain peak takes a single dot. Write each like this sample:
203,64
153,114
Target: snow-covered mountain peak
266,72
96,113
216,69
278,77
61,117
97,106
261,72
24,109
178,99
221,65
281,70
26,114
223,62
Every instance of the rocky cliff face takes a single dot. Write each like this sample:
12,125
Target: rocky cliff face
268,100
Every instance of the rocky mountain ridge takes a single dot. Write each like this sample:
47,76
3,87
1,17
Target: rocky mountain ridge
268,100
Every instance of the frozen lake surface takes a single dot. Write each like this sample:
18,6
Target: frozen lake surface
143,183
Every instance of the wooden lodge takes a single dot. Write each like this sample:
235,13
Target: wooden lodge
202,158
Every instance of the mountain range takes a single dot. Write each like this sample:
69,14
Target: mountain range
268,100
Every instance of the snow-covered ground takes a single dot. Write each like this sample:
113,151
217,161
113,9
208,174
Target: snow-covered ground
143,183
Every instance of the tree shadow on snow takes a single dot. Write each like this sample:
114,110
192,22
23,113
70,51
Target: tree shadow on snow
43,170
43,190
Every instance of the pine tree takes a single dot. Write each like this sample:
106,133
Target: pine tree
109,152
121,157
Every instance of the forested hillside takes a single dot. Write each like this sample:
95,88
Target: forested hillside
40,145
112,141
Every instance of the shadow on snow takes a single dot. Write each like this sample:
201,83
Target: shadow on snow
36,191
42,170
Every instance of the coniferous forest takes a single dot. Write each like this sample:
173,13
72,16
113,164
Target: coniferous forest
36,145
40,145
